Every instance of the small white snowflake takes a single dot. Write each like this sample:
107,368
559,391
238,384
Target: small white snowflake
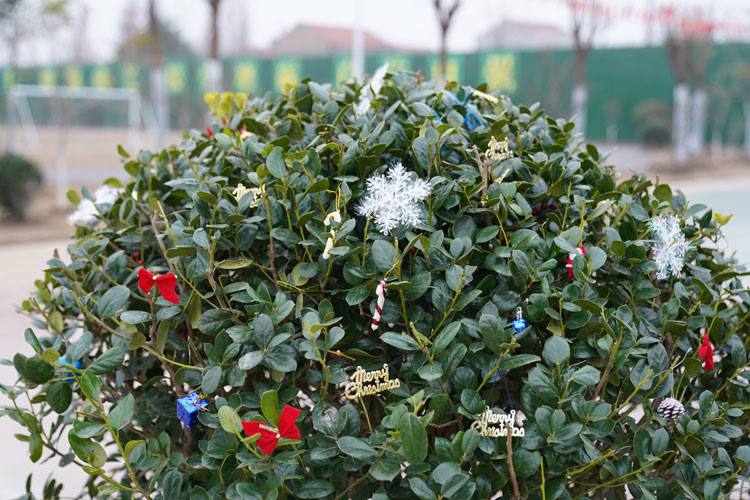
670,247
394,199
374,86
86,211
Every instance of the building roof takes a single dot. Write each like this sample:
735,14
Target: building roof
510,34
307,39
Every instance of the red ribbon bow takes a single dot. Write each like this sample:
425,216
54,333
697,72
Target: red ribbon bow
165,283
269,436
706,351
569,261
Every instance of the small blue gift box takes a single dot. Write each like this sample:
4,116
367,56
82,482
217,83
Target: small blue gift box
188,408
69,374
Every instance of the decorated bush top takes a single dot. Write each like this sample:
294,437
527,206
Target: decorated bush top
399,290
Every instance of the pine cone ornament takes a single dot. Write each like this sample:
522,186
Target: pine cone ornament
670,409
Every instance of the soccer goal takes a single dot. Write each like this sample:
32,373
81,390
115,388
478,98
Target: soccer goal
47,121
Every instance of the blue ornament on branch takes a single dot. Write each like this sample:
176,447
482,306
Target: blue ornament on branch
519,324
188,408
68,377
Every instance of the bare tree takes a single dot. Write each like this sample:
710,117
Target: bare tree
585,23
445,16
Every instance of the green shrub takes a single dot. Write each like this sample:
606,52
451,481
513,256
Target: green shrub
19,179
264,320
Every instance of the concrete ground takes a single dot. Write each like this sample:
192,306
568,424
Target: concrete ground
22,264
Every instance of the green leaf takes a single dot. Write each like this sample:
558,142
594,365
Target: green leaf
598,258
250,360
356,447
122,413
401,342
420,488
91,386
181,252
113,300
108,361
357,295
587,375
384,254
234,263
59,396
35,446
31,339
198,493
79,347
385,470
229,420
269,405
38,370
211,379
413,438
275,163
214,321
518,360
135,317
526,462
172,484
430,372
556,351
445,337
470,441
313,488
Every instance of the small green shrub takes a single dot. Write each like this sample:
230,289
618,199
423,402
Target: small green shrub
264,320
19,179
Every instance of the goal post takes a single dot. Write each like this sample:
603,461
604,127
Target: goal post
20,118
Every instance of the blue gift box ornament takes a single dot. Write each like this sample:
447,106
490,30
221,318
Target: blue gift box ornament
473,119
188,408
519,324
68,377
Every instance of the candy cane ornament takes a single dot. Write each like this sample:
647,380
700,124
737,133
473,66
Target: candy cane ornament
380,292
571,258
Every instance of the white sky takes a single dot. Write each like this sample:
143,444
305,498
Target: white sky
402,23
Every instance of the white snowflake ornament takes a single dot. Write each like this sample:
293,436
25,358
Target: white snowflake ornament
87,211
394,199
374,86
670,247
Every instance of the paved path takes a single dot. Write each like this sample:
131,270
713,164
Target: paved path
21,265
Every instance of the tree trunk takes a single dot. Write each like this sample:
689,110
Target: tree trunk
157,80
443,53
214,70
580,100
580,96
680,117
698,122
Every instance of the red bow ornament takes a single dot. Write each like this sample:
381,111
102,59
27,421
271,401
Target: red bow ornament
269,436
571,258
165,283
706,351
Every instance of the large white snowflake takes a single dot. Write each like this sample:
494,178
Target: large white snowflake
394,199
670,247
374,86
86,212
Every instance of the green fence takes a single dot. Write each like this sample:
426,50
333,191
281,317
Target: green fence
620,81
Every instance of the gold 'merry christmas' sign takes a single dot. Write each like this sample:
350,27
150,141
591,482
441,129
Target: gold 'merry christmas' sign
363,383
505,424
